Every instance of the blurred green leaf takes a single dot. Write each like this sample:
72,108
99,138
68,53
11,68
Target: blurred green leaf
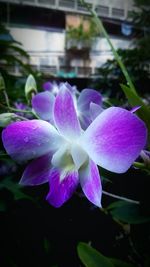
119,263
2,206
135,100
90,257
46,245
127,212
14,188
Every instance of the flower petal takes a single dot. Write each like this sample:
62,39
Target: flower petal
79,156
26,140
85,120
62,157
43,104
65,115
71,88
63,183
95,110
37,172
114,139
88,96
91,183
134,109
48,86
87,117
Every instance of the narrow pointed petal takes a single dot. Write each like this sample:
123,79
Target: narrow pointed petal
63,183
95,110
114,139
65,115
43,104
26,140
134,109
79,156
88,96
72,88
85,120
37,172
86,117
91,183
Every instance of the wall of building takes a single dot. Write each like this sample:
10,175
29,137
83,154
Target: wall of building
47,48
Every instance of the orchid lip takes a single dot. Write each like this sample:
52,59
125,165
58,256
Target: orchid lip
71,154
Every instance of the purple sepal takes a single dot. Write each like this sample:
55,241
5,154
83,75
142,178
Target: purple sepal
25,140
37,172
90,182
65,116
43,104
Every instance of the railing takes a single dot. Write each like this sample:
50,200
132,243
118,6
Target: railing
118,9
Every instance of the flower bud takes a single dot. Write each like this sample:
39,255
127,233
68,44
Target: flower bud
7,118
30,87
2,83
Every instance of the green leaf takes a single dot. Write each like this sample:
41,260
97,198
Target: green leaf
2,206
135,100
127,212
120,263
90,257
15,189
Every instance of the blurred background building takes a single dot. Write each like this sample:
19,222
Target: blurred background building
45,28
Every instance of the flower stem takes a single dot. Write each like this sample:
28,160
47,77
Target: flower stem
20,110
6,98
16,110
116,55
141,166
21,117
3,155
121,198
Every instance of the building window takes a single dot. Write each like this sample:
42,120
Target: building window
117,12
67,3
102,10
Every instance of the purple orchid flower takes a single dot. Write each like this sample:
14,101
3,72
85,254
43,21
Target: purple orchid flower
54,87
22,106
66,155
88,104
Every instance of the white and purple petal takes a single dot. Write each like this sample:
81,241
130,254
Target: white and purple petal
85,120
63,184
26,140
114,139
65,116
37,172
95,110
91,183
88,96
79,156
43,104
71,88
88,116
62,157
